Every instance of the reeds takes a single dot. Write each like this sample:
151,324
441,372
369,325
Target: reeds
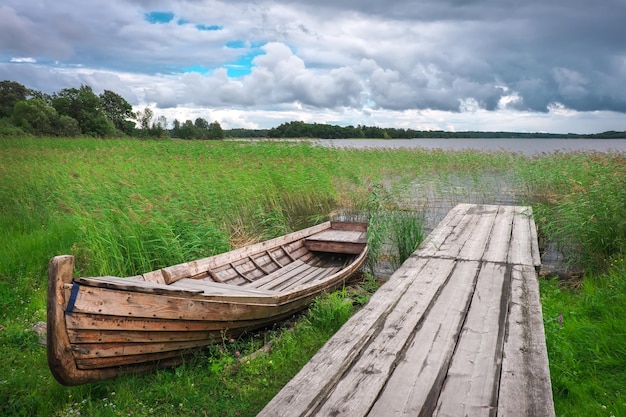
124,207
580,205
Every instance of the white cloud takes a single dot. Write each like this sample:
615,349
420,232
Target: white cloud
468,67
28,60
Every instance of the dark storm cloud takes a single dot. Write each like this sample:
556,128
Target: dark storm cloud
447,55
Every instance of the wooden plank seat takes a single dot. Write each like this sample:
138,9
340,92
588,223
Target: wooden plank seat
457,330
337,241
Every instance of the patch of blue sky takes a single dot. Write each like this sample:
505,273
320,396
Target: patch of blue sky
236,44
193,68
239,44
209,27
243,65
158,17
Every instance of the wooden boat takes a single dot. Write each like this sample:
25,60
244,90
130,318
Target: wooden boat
101,327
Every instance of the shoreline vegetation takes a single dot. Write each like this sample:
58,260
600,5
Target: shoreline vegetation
123,206
72,112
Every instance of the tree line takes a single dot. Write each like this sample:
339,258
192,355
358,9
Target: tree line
80,111
299,129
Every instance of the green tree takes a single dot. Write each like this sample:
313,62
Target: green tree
10,93
38,94
118,111
37,117
86,108
201,128
176,129
145,119
66,126
159,127
187,130
215,131
201,123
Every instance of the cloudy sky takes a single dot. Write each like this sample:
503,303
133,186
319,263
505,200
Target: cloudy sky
514,65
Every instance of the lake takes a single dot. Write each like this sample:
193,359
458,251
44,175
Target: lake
530,147
434,195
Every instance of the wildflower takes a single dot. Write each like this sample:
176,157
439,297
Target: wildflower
237,353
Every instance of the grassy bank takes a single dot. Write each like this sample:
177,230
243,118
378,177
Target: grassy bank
125,206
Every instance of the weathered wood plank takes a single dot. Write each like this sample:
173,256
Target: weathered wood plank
339,236
104,350
97,322
497,248
357,391
520,252
434,241
257,263
174,273
334,246
525,388
413,387
534,241
294,267
320,276
471,386
459,235
337,241
294,276
215,288
155,277
446,342
274,259
91,300
474,247
349,226
224,259
133,285
125,336
312,274
323,371
113,363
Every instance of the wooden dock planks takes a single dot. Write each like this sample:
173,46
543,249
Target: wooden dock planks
456,331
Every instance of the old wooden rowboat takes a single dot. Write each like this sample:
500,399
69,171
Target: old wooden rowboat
101,327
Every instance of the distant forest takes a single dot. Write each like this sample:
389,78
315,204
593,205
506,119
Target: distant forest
73,112
325,131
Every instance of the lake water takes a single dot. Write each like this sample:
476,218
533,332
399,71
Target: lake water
530,147
434,196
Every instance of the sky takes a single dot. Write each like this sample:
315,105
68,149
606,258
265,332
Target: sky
455,65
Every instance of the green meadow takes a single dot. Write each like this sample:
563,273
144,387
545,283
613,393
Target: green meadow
128,206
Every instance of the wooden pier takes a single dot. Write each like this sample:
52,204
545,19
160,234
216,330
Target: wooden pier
456,331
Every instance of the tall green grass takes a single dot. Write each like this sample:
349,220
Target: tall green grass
580,204
586,339
124,206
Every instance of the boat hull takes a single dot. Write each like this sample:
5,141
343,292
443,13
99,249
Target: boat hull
99,328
